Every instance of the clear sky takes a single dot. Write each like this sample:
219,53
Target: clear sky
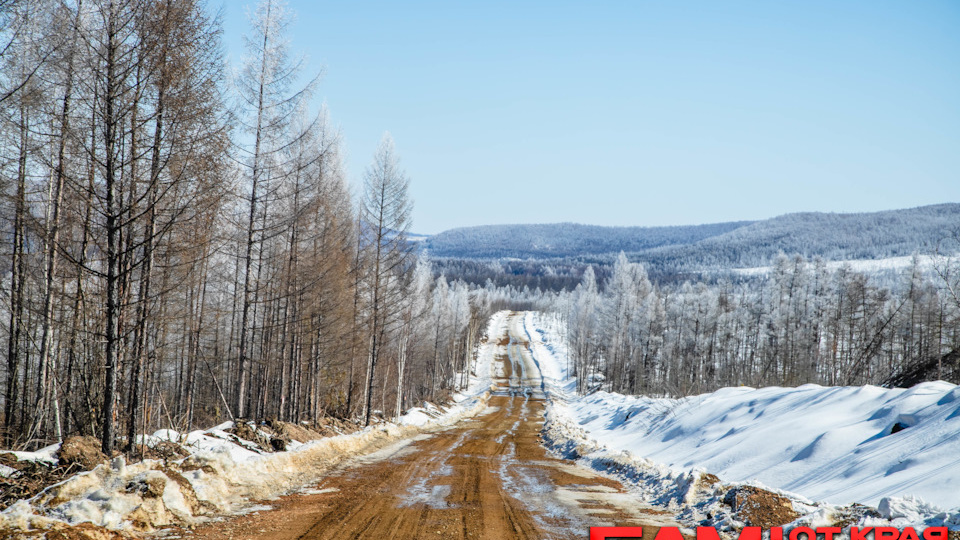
641,112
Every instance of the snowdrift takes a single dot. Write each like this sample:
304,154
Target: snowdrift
893,449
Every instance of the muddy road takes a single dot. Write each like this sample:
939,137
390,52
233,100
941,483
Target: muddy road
485,478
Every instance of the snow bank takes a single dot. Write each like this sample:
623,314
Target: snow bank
895,449
838,444
222,474
480,375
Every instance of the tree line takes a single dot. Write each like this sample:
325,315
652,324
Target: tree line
180,246
801,322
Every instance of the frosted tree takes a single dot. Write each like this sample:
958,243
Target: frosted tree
626,290
414,310
583,325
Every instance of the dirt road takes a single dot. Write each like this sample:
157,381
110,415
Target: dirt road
486,478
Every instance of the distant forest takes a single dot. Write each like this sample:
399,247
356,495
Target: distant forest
678,318
801,322
553,257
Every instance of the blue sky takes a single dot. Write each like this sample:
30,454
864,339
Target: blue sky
642,112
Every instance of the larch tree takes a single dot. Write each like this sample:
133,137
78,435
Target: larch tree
269,106
385,222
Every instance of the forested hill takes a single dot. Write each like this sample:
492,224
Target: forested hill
722,245
876,235
565,239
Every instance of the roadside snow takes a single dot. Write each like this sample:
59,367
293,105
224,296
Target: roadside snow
835,444
894,449
223,474
480,373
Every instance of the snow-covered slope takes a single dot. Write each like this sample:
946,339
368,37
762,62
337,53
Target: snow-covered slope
836,444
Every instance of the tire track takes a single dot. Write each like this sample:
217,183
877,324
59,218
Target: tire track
487,478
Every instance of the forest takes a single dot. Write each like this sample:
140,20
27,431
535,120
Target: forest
180,245
802,322
707,250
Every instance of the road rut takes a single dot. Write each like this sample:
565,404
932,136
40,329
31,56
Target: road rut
485,478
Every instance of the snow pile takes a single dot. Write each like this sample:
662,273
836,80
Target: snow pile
480,372
44,455
839,444
222,474
890,448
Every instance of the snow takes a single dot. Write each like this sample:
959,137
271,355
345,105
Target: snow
45,455
867,266
222,474
826,443
832,445
480,373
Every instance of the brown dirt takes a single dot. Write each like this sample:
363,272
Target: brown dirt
82,450
759,507
488,478
165,451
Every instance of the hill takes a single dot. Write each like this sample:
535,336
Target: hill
740,244
553,256
564,239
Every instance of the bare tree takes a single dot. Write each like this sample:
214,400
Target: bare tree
264,91
385,222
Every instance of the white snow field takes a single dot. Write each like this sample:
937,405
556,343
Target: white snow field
222,474
835,445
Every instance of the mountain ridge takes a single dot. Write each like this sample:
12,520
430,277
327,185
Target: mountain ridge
735,244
